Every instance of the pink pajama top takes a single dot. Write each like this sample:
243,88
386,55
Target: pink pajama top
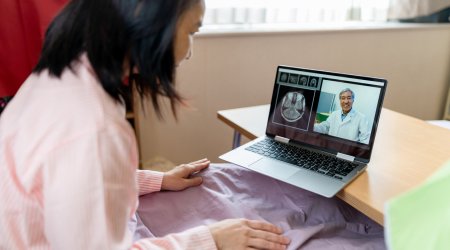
68,176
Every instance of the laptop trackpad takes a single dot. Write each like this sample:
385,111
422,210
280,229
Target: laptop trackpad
274,168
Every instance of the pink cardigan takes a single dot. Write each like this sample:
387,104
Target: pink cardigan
68,162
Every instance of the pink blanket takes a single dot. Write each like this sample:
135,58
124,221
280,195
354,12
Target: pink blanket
228,191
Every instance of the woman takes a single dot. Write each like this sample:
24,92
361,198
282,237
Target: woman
68,155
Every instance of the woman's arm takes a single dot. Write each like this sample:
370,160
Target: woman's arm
89,190
177,179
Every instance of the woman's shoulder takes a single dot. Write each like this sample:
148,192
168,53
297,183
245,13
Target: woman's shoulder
72,103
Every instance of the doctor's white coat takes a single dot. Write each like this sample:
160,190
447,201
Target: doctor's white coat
354,127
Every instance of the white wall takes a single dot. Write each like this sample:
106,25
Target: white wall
236,70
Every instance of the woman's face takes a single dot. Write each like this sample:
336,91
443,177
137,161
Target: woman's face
187,26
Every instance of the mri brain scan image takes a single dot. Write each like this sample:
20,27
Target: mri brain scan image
284,77
293,106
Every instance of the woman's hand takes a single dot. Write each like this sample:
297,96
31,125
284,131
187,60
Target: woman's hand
180,178
238,234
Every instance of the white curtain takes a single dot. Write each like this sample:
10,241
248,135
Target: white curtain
221,12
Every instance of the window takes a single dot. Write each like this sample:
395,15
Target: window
222,12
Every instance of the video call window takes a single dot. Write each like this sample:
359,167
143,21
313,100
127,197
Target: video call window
346,110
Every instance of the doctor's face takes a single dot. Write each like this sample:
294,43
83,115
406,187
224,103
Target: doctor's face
346,101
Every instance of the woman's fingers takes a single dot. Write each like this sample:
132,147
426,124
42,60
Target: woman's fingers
261,225
181,177
272,237
260,238
200,161
196,167
266,236
259,243
192,182
247,234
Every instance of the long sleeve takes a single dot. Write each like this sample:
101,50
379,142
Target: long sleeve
89,192
148,181
364,132
192,239
324,126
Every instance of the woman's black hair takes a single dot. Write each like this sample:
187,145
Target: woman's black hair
109,31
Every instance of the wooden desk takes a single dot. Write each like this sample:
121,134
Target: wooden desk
406,151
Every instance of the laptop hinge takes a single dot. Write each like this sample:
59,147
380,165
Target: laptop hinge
281,139
345,157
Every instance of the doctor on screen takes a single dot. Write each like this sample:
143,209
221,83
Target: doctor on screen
346,123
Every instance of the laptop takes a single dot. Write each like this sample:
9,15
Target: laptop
320,130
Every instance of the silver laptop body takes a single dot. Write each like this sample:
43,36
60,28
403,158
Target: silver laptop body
320,131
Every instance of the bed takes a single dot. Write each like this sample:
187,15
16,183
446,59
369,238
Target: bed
229,191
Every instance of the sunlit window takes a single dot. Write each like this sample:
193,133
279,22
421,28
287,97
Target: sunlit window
293,11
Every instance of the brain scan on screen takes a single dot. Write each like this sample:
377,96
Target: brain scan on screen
293,106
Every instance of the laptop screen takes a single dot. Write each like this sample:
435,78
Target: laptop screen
329,111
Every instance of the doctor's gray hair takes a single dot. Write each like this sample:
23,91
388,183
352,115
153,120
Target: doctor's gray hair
347,90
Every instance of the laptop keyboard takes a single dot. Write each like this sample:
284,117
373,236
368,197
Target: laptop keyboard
323,164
